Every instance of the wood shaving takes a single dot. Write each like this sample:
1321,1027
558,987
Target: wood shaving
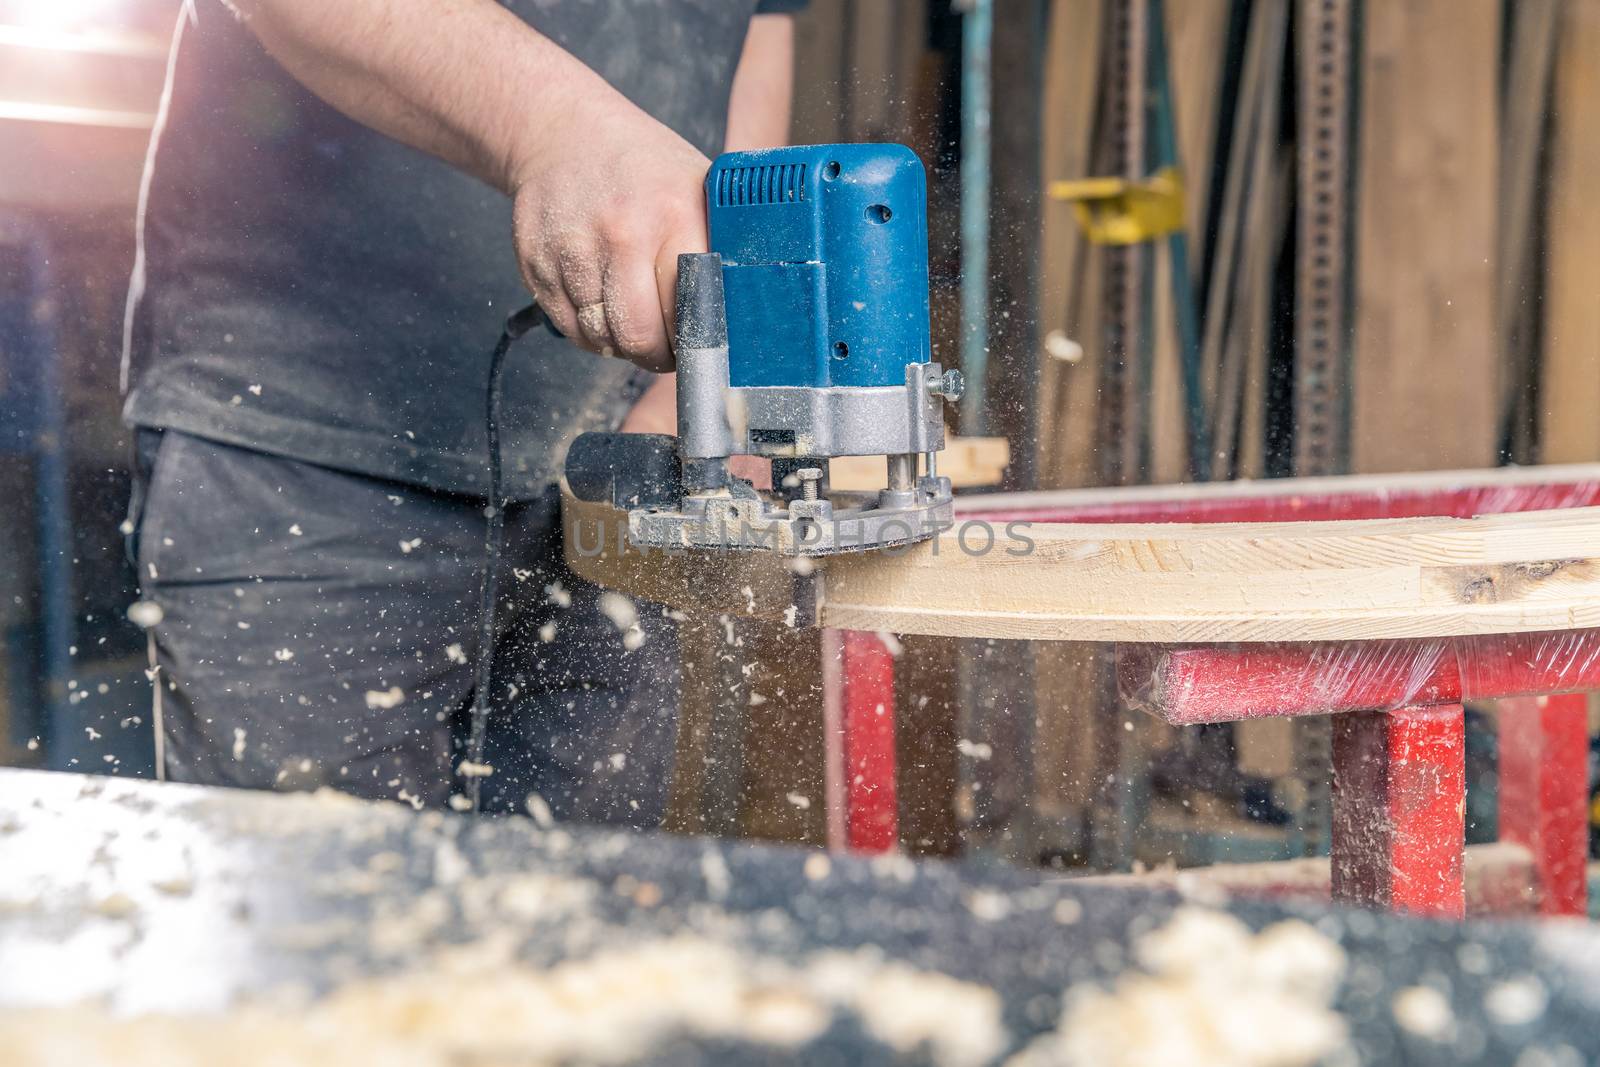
476,1006
384,699
1213,994
1423,1011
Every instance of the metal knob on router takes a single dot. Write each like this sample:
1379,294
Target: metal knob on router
950,385
809,478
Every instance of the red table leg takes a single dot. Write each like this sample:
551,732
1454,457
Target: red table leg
1399,809
864,700
1544,793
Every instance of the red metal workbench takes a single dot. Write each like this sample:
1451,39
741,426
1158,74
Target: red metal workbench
1399,741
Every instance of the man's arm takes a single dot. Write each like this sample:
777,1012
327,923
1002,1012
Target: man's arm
597,236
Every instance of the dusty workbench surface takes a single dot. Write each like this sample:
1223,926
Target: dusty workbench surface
171,924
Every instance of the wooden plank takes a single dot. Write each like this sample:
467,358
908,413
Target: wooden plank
1570,387
1069,268
1164,582
1425,368
1257,582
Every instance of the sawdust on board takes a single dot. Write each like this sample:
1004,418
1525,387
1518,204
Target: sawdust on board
477,1005
1212,994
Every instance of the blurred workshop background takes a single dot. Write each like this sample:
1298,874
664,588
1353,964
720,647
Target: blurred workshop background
1170,241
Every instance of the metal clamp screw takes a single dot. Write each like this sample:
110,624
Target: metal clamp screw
950,385
809,478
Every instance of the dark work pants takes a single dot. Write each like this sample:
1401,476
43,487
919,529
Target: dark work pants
320,628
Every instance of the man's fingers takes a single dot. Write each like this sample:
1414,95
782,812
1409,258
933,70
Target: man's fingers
633,313
593,333
580,266
557,308
541,273
542,281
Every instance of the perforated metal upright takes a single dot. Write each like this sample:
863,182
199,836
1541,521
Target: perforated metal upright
1325,33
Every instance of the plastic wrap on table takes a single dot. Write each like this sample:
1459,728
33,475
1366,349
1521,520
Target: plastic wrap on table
1187,684
1451,494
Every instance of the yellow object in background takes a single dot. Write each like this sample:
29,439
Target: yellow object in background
1121,211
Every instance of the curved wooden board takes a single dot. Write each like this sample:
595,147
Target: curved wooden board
1167,582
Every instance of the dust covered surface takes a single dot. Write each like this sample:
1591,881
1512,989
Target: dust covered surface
174,925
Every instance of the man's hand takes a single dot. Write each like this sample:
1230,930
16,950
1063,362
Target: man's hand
604,201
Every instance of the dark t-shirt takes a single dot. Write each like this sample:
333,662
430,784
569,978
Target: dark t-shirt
311,288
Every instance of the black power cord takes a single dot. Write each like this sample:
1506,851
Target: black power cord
516,326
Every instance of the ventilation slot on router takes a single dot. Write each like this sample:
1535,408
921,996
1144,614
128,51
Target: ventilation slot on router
768,183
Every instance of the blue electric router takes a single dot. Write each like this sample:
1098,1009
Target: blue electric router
801,335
